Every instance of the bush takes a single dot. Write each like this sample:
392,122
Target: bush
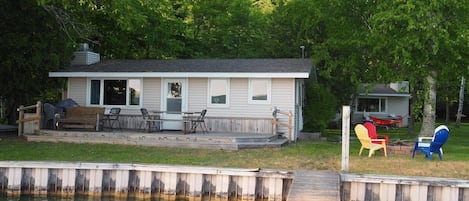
319,107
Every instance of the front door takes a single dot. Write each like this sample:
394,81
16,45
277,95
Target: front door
174,102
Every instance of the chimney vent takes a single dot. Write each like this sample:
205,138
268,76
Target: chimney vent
84,47
85,56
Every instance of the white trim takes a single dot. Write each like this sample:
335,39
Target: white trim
227,92
269,92
179,75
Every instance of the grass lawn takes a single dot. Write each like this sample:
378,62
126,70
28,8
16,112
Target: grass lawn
300,155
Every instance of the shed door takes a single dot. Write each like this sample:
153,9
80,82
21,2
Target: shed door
174,102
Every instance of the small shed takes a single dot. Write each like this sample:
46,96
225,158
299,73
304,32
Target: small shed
382,101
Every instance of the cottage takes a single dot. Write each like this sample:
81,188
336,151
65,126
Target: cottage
239,94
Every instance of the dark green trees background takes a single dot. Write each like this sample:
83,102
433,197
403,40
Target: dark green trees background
350,41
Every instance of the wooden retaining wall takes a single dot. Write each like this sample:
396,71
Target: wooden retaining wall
214,124
358,187
197,183
141,181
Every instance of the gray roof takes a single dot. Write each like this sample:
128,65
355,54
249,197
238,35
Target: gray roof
381,90
199,65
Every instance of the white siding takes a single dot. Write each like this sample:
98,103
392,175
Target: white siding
283,96
151,93
77,90
399,106
197,95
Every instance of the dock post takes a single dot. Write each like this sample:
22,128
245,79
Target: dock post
14,181
144,186
345,138
95,178
40,177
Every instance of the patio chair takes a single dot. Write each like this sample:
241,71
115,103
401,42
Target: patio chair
49,119
200,121
113,117
435,145
373,134
366,142
149,121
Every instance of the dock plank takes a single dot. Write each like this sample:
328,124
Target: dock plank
315,185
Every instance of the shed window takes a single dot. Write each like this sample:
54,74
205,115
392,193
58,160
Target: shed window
259,91
219,92
371,105
115,92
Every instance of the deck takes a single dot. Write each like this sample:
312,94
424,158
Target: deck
175,139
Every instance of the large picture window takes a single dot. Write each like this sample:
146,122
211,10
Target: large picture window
115,92
259,91
219,92
371,105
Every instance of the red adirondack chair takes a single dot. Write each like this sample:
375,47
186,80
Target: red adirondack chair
373,134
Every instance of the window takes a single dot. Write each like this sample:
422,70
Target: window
115,92
371,105
259,91
134,92
95,92
218,92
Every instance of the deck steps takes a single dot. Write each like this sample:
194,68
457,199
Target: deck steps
233,141
315,186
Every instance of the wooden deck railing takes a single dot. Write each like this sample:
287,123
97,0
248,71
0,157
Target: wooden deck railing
35,118
276,122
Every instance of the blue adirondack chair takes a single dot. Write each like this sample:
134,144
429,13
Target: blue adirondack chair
435,145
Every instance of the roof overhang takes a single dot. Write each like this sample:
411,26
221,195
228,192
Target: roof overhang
178,75
384,95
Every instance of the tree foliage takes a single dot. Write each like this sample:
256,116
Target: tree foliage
420,41
32,44
351,42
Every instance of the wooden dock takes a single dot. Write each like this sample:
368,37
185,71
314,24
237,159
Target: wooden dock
315,185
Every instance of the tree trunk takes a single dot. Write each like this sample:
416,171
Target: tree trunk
461,102
447,104
413,102
428,119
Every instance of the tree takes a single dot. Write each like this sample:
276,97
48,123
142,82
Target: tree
415,39
227,29
460,101
32,45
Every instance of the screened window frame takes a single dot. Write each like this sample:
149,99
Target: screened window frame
382,105
268,92
102,92
227,92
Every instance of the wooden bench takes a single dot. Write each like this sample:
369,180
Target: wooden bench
82,117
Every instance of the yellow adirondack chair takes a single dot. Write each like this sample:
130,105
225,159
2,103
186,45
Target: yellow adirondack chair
365,140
